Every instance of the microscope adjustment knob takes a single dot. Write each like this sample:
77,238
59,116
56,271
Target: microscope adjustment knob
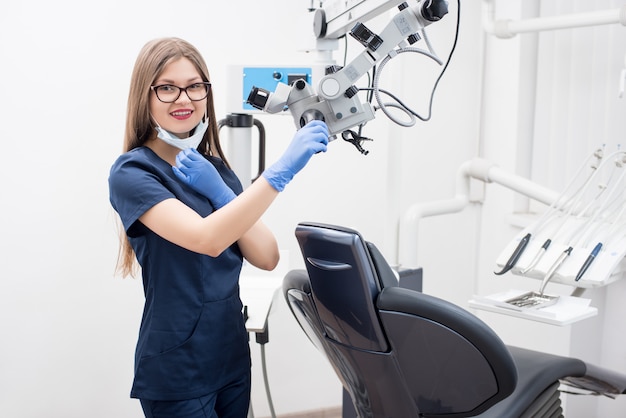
435,10
351,91
300,84
413,38
332,69
320,25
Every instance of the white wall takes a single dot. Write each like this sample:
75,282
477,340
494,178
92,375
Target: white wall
69,326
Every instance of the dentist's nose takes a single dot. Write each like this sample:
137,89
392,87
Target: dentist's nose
183,98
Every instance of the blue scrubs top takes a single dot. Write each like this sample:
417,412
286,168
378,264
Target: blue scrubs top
192,339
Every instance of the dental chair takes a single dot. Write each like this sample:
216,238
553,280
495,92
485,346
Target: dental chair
400,353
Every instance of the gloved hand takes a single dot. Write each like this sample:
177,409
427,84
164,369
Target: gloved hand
310,139
198,173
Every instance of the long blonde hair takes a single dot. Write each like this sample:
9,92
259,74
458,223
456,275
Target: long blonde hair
150,63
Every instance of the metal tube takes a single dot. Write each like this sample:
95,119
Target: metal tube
601,17
504,28
479,169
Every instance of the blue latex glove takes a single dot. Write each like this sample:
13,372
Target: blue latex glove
310,139
199,174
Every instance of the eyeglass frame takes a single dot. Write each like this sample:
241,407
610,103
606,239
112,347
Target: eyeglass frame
181,89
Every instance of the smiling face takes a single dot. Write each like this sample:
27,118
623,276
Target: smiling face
182,115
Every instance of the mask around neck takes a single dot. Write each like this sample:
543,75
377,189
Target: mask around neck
183,143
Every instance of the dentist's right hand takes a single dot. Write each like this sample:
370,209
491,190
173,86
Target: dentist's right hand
197,172
308,140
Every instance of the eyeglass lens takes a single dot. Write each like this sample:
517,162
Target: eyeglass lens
169,93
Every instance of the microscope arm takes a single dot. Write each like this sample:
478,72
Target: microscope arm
409,21
337,102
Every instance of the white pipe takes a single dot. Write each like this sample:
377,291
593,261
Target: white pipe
522,185
479,169
489,16
239,154
527,96
510,28
407,233
622,80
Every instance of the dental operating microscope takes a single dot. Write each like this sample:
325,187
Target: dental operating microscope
336,100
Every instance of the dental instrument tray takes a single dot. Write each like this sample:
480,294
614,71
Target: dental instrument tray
530,300
556,310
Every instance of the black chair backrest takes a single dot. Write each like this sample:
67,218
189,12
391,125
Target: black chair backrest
398,352
344,284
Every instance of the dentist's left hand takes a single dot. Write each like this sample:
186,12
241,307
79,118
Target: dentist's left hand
198,173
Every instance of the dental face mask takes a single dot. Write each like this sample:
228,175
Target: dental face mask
183,143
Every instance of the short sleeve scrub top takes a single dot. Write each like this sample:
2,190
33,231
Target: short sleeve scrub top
192,340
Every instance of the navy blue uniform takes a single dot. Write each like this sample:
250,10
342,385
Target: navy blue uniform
192,339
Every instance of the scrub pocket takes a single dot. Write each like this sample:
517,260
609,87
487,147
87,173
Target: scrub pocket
215,353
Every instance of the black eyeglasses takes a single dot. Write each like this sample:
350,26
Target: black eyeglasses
169,93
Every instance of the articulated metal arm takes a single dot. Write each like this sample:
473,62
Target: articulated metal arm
336,101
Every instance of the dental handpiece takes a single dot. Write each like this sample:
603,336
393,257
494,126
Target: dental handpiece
554,268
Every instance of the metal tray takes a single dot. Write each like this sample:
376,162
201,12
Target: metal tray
532,300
